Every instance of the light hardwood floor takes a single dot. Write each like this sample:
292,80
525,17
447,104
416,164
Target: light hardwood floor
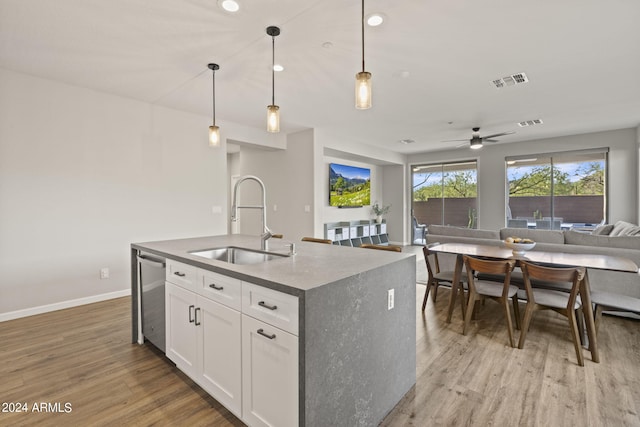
83,356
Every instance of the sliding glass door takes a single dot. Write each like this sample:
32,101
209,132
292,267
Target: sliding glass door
445,194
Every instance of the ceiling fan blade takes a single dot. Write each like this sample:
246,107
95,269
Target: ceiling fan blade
455,140
462,145
496,135
489,140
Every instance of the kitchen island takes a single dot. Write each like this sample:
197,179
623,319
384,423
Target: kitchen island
355,358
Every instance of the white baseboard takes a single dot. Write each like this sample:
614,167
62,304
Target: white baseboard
62,305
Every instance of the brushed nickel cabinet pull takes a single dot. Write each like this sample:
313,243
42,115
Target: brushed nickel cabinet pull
270,307
261,332
197,321
191,315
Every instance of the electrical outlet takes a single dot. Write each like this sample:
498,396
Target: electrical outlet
390,299
104,273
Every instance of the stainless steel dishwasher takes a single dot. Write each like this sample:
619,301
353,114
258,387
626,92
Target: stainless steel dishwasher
151,281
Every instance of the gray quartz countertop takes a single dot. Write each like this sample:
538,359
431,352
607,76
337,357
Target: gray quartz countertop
313,265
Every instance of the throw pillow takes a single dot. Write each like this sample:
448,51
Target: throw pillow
623,228
603,230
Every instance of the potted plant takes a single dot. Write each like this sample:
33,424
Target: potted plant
378,211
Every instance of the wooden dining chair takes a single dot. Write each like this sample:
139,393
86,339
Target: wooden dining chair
316,240
391,248
480,290
435,276
565,303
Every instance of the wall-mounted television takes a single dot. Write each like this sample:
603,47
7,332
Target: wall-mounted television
349,186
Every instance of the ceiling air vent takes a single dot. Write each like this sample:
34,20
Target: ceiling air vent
511,80
530,123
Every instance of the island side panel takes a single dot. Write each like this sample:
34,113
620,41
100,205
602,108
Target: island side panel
360,358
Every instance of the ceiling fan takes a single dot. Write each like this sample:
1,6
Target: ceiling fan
477,141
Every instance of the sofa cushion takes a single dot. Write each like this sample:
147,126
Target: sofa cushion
584,239
538,236
623,228
603,229
447,230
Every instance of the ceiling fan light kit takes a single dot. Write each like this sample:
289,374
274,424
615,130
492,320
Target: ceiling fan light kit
475,143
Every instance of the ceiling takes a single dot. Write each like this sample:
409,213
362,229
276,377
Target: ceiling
432,62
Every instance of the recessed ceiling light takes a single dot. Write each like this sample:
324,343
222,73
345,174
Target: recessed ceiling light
278,67
407,141
327,45
375,19
229,5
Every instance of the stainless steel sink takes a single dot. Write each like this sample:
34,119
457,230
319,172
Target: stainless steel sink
235,255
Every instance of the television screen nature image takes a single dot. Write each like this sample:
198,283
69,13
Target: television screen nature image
349,186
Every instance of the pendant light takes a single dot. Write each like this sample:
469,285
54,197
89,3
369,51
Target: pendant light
273,113
214,131
363,78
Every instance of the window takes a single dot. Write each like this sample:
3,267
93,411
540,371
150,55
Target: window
446,194
558,191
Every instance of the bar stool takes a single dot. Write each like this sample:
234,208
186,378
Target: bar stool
316,240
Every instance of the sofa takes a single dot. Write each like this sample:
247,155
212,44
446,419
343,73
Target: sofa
620,239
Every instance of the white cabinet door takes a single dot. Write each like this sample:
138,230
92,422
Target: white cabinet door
269,375
181,334
220,363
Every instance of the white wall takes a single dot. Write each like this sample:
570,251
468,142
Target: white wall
399,217
288,178
638,176
623,186
83,175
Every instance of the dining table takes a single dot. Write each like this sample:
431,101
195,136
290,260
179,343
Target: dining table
558,259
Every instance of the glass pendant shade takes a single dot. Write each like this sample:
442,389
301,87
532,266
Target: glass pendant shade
363,90
273,118
214,136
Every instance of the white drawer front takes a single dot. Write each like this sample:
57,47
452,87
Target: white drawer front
222,289
181,274
273,307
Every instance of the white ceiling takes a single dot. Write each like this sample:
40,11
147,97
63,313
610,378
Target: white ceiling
581,57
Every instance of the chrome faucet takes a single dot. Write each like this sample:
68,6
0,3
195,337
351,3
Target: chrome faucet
266,233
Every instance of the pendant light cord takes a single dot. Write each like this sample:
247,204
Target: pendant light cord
362,22
273,73
214,97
